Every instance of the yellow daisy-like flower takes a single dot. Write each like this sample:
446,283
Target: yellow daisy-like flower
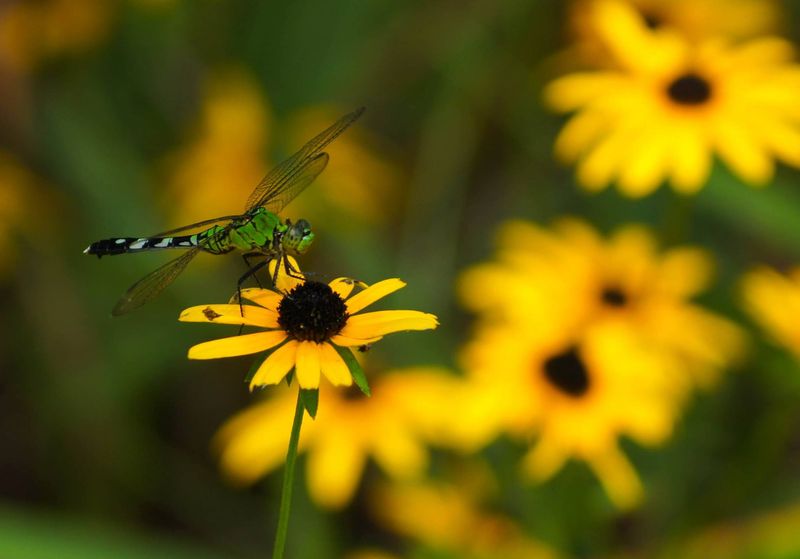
671,105
578,395
309,329
694,19
571,277
347,431
773,300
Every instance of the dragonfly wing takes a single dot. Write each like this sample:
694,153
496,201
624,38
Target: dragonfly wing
283,183
153,283
305,176
197,225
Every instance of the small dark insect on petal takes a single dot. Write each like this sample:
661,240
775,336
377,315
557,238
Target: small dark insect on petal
211,314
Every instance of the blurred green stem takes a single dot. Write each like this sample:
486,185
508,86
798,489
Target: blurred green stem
288,480
677,219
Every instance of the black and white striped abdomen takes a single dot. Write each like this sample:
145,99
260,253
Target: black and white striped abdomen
134,244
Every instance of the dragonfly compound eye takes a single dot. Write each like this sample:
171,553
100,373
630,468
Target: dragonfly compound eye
299,237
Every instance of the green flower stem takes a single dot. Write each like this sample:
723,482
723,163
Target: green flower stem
288,480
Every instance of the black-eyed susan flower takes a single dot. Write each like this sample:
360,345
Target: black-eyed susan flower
694,19
773,300
308,330
670,105
577,396
571,277
347,431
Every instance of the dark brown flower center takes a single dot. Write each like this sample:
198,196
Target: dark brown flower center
614,297
567,372
312,311
690,89
652,20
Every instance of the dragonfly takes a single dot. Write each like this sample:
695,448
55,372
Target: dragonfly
258,232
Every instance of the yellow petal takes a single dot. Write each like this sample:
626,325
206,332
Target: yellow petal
347,341
399,453
544,460
344,286
307,364
741,151
782,138
576,90
265,297
285,282
691,159
247,315
333,367
333,469
580,132
380,323
604,159
237,345
618,477
372,294
253,442
645,167
276,366
685,271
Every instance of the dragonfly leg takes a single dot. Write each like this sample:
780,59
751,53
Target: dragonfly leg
291,271
251,272
246,258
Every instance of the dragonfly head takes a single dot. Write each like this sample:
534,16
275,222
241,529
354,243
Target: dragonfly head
298,237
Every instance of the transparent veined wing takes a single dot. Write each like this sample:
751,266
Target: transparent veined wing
150,286
197,225
290,177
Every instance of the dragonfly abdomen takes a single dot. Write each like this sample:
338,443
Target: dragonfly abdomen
123,245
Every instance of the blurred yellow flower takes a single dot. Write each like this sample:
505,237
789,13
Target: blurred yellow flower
348,430
217,171
773,300
33,31
448,518
569,277
578,395
309,329
694,19
671,105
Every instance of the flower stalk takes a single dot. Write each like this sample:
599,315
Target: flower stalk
288,480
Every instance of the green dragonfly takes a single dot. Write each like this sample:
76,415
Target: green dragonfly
257,232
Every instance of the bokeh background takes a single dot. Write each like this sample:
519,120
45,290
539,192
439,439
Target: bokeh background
127,118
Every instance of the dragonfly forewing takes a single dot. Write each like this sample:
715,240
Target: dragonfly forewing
281,185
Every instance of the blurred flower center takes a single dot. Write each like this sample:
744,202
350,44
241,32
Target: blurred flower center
614,297
350,393
312,311
567,372
689,89
652,20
